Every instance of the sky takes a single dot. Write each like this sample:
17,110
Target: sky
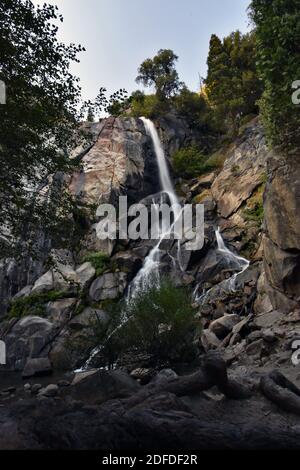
119,34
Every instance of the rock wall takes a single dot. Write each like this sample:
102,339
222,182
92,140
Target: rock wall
282,232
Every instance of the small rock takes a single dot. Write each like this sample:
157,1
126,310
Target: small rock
254,336
27,387
142,374
269,336
63,383
248,290
50,391
164,375
255,348
35,388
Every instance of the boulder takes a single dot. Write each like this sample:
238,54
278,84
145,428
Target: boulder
29,337
108,286
61,310
62,278
37,366
224,325
255,348
104,385
23,292
127,261
85,274
88,317
50,391
209,340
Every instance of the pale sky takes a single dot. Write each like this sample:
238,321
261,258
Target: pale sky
119,34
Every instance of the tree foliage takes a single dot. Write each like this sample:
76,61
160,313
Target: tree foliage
232,84
278,55
161,73
37,122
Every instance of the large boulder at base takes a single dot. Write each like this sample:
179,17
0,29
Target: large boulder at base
37,366
30,337
104,385
108,286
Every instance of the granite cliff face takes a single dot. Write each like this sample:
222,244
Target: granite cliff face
282,232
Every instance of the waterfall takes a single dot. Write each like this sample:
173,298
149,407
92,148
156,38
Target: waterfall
149,273
238,263
148,276
164,175
241,262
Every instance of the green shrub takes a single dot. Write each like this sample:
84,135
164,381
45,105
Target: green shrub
99,260
255,213
149,106
34,304
190,162
160,322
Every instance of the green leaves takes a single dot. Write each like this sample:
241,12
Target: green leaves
160,72
37,123
278,36
232,84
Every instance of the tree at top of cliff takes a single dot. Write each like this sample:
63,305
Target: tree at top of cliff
161,73
232,85
38,120
278,55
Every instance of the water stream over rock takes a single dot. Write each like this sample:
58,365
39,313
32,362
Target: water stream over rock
149,273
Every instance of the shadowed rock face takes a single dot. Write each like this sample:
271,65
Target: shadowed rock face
242,172
282,223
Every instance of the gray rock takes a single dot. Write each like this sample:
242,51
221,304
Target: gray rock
50,391
255,348
29,337
88,318
85,274
224,325
35,388
108,286
209,340
254,336
61,310
37,366
104,385
269,336
165,375
23,292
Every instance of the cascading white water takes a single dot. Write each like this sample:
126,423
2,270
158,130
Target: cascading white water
238,263
163,171
149,274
